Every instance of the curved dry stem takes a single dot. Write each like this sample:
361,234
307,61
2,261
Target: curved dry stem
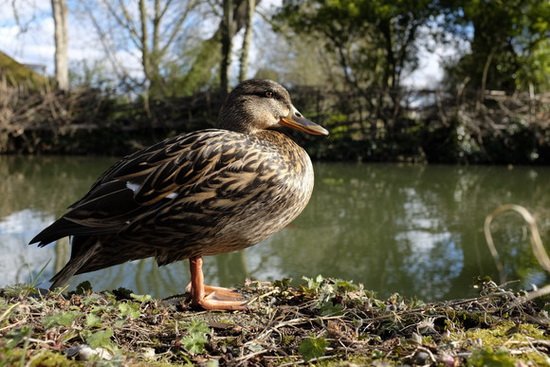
536,241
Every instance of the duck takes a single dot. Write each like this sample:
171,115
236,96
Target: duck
197,194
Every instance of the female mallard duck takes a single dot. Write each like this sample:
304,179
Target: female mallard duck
197,194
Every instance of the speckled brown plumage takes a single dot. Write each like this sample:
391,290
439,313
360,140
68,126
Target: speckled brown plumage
201,193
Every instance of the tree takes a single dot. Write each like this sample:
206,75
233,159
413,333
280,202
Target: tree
148,29
207,56
374,42
509,43
59,11
247,40
227,33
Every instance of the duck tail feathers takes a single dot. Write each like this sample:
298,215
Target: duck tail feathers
74,265
59,229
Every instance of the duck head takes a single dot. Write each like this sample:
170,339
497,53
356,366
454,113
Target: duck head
256,105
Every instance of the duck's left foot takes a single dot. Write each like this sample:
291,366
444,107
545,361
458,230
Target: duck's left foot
211,302
218,293
210,297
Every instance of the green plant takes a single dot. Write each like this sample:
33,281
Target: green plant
196,339
313,347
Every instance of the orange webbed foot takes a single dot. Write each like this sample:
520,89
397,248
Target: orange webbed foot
210,297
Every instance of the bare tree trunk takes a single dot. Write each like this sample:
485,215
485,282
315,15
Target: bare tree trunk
227,43
144,40
59,10
155,54
208,55
486,67
247,40
145,57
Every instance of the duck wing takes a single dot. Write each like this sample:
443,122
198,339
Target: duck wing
143,182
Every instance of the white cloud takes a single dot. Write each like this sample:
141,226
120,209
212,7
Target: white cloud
7,33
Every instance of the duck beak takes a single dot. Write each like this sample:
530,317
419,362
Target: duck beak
295,120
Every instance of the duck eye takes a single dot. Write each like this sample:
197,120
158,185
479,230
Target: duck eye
269,94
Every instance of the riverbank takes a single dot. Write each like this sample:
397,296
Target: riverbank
323,322
424,126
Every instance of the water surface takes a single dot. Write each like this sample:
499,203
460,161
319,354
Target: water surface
416,230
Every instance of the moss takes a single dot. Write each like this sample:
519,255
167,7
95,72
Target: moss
287,340
359,361
42,358
497,343
506,331
491,358
52,359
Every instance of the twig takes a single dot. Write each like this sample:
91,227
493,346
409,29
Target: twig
261,296
536,241
8,311
251,355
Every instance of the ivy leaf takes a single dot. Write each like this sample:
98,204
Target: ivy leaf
312,347
346,286
194,343
129,309
141,298
198,327
100,339
119,323
313,284
60,319
93,320
329,309
196,340
14,337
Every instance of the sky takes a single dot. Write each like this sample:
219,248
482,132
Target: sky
34,44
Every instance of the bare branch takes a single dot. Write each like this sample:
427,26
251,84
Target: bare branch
111,56
163,10
143,39
177,27
126,23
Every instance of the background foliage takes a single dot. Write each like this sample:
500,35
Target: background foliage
347,63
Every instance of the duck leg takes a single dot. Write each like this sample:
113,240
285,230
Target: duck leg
209,297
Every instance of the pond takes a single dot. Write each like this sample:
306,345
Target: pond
416,230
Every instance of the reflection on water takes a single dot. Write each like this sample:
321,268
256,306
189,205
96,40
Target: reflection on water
416,230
